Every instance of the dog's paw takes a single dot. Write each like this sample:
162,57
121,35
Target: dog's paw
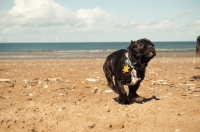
122,101
135,99
138,99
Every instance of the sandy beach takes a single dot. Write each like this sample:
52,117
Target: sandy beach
71,95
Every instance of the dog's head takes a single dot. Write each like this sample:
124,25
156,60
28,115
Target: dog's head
142,49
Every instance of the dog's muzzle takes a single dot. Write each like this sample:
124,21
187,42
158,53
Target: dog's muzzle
151,52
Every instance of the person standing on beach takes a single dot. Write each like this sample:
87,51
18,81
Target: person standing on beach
197,49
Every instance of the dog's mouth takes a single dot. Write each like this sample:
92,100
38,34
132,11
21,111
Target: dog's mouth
146,58
150,55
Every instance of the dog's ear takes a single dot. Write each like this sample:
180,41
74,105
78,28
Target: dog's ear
147,41
131,45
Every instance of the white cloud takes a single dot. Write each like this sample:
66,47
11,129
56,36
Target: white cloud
152,21
100,20
48,17
175,23
182,14
92,16
43,13
30,15
163,24
154,24
126,24
96,19
197,23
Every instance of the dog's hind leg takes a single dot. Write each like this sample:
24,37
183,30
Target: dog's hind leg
122,99
109,77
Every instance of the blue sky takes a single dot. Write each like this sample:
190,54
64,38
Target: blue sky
98,21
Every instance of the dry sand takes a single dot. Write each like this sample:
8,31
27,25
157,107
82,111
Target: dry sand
55,95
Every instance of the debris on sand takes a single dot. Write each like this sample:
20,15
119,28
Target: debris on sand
63,108
191,84
197,90
91,79
95,90
46,86
69,98
57,80
108,91
159,82
30,94
33,81
194,89
5,80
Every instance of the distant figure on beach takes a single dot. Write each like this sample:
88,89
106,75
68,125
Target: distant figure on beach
197,49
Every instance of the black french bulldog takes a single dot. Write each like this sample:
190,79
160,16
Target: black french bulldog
128,68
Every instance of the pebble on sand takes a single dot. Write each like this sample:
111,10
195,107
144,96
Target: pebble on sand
91,79
108,91
4,80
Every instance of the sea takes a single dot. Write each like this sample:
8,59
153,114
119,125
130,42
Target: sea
58,50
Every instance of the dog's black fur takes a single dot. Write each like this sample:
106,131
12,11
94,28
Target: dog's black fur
140,52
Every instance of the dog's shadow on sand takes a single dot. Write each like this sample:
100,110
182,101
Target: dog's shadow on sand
197,77
3,69
197,67
141,102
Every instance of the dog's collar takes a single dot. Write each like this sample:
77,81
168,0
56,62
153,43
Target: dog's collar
128,62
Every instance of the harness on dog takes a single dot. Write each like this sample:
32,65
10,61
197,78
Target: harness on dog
128,61
134,78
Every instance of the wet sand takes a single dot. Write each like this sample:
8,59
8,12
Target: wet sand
62,95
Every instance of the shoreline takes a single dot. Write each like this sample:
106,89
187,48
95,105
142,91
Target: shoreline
79,55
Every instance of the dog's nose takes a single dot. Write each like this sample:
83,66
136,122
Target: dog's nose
152,52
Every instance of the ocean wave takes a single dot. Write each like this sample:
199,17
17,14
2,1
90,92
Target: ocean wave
176,49
97,50
83,51
112,50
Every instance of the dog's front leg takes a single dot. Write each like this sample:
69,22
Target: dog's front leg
133,96
121,91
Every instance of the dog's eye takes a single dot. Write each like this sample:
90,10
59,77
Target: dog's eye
141,44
